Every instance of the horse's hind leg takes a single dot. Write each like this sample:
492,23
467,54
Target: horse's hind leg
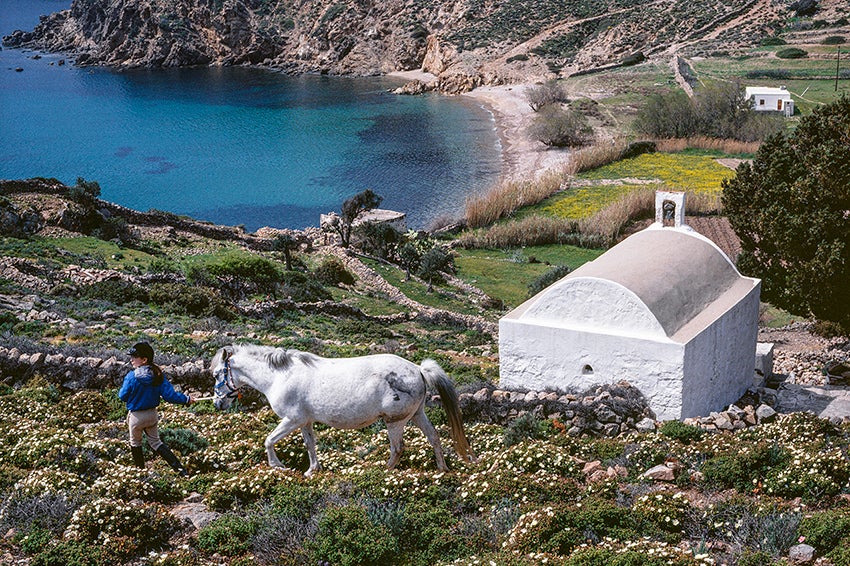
310,443
285,427
395,430
421,420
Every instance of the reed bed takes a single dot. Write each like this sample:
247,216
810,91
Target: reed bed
595,156
535,230
508,196
732,147
607,225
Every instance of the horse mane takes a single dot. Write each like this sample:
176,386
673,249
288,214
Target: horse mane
277,358
281,358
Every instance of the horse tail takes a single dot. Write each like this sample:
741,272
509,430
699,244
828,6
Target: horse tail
436,378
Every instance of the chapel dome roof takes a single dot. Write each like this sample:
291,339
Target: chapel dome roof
657,281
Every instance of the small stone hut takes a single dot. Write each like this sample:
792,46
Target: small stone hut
665,310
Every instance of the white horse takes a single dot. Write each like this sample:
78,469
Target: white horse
351,393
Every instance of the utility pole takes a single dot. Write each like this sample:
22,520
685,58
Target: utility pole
837,59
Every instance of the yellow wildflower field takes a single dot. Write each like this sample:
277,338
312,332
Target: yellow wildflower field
675,171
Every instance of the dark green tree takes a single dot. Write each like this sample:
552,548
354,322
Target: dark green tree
434,263
791,209
351,209
285,243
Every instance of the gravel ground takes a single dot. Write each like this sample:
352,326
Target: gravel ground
800,356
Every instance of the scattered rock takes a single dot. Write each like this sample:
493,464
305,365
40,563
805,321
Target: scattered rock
801,553
659,473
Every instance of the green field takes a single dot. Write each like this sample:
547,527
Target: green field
506,274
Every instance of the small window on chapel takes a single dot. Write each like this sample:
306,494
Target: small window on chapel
587,370
668,208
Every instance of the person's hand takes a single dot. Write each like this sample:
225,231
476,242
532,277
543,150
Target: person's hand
190,400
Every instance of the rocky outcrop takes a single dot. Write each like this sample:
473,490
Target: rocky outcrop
463,43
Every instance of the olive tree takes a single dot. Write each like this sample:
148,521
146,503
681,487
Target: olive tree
351,209
791,210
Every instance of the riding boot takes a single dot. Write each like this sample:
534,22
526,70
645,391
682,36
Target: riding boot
138,456
172,460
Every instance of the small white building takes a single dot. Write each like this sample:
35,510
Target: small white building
664,309
769,99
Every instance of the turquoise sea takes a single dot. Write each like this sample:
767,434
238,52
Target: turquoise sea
237,145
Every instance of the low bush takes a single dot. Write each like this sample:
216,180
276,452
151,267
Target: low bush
333,272
772,40
634,59
834,40
116,291
190,300
684,433
549,93
560,127
555,274
638,148
347,537
229,535
302,288
792,53
73,553
184,440
526,427
825,530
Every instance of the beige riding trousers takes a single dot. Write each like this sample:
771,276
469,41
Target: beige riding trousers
144,422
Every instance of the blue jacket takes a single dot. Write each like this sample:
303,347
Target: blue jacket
139,393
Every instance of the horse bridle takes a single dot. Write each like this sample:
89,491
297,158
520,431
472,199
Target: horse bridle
227,388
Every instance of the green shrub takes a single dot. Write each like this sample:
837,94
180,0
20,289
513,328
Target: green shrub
303,289
773,40
518,57
73,553
792,53
744,468
635,149
229,535
346,537
432,535
140,528
185,440
525,427
825,530
245,266
189,300
555,274
34,541
558,127
295,499
834,40
840,555
758,558
333,272
634,59
684,433
116,291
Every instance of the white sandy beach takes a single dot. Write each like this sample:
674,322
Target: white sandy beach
521,156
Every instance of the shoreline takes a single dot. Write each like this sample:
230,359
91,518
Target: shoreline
522,158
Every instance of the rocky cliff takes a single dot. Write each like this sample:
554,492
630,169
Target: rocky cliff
464,43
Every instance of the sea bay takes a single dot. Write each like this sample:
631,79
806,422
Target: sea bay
237,145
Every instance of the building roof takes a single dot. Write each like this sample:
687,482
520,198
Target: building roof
668,282
766,91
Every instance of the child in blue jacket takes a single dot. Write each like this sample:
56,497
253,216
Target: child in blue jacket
141,392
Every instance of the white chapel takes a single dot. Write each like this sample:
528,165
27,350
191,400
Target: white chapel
665,310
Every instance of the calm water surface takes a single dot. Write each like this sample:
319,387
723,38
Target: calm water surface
237,145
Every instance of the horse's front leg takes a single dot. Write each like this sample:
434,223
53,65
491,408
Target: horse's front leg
285,427
310,442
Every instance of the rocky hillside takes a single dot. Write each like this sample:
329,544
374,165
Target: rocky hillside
464,43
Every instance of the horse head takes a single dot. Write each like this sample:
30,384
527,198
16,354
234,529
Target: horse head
226,388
